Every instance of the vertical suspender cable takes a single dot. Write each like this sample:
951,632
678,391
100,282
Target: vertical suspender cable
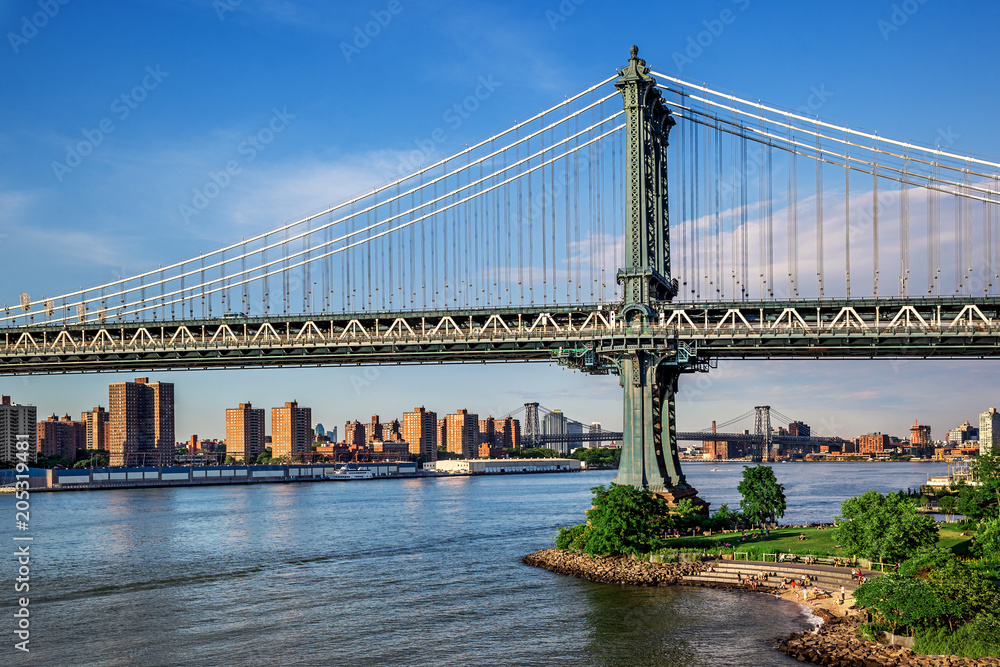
847,221
819,219
875,226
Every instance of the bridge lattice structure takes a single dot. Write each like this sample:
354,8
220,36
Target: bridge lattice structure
786,235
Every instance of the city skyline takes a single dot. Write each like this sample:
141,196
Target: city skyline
827,426
159,151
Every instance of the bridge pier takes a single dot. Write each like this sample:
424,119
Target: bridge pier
648,373
650,458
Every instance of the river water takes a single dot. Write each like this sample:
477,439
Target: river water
407,572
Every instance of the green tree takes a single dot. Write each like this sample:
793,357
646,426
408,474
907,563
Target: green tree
903,603
538,453
230,460
968,590
763,498
982,500
624,520
883,527
598,456
948,505
724,518
988,538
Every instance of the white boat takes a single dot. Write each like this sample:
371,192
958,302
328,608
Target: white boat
714,470
345,474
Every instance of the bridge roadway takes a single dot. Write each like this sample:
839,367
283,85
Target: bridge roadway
586,335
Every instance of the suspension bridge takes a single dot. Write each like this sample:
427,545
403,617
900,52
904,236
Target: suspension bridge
554,240
761,440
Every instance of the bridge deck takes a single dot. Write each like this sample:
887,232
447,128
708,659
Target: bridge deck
950,327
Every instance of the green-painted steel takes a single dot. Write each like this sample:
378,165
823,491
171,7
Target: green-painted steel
648,376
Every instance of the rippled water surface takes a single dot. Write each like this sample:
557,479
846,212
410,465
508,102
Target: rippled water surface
385,572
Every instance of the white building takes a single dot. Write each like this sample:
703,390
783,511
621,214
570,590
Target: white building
490,466
989,431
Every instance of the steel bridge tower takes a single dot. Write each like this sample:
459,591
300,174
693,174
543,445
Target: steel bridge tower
531,433
648,368
765,450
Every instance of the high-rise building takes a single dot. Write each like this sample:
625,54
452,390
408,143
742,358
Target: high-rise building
799,429
554,423
373,431
61,437
441,440
510,433
487,432
463,434
95,424
17,420
989,431
141,423
291,430
920,435
332,434
963,433
420,431
872,443
244,432
354,434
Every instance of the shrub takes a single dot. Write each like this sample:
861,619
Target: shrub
978,639
573,538
624,520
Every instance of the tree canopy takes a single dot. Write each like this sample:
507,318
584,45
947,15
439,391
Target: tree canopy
884,528
624,520
981,501
763,498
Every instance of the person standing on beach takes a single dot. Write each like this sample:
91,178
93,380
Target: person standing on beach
843,594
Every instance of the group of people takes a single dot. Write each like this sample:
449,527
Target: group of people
754,581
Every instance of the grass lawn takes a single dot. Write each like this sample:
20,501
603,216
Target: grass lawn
785,540
818,542
950,537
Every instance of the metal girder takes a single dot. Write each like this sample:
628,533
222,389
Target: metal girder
586,337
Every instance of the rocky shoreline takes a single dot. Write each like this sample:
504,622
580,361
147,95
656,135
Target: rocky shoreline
837,645
840,646
612,569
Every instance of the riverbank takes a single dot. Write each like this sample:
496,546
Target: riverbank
612,569
834,641
839,644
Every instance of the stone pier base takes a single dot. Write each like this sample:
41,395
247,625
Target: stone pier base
673,496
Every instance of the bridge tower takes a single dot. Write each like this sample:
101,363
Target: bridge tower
762,427
648,367
532,432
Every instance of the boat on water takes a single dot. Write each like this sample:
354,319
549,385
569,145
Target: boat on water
345,474
714,470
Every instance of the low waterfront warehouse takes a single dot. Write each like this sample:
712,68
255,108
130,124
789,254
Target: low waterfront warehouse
493,466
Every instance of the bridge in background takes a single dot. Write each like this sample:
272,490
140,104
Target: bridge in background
763,442
554,240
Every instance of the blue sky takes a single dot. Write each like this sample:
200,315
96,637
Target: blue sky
167,92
